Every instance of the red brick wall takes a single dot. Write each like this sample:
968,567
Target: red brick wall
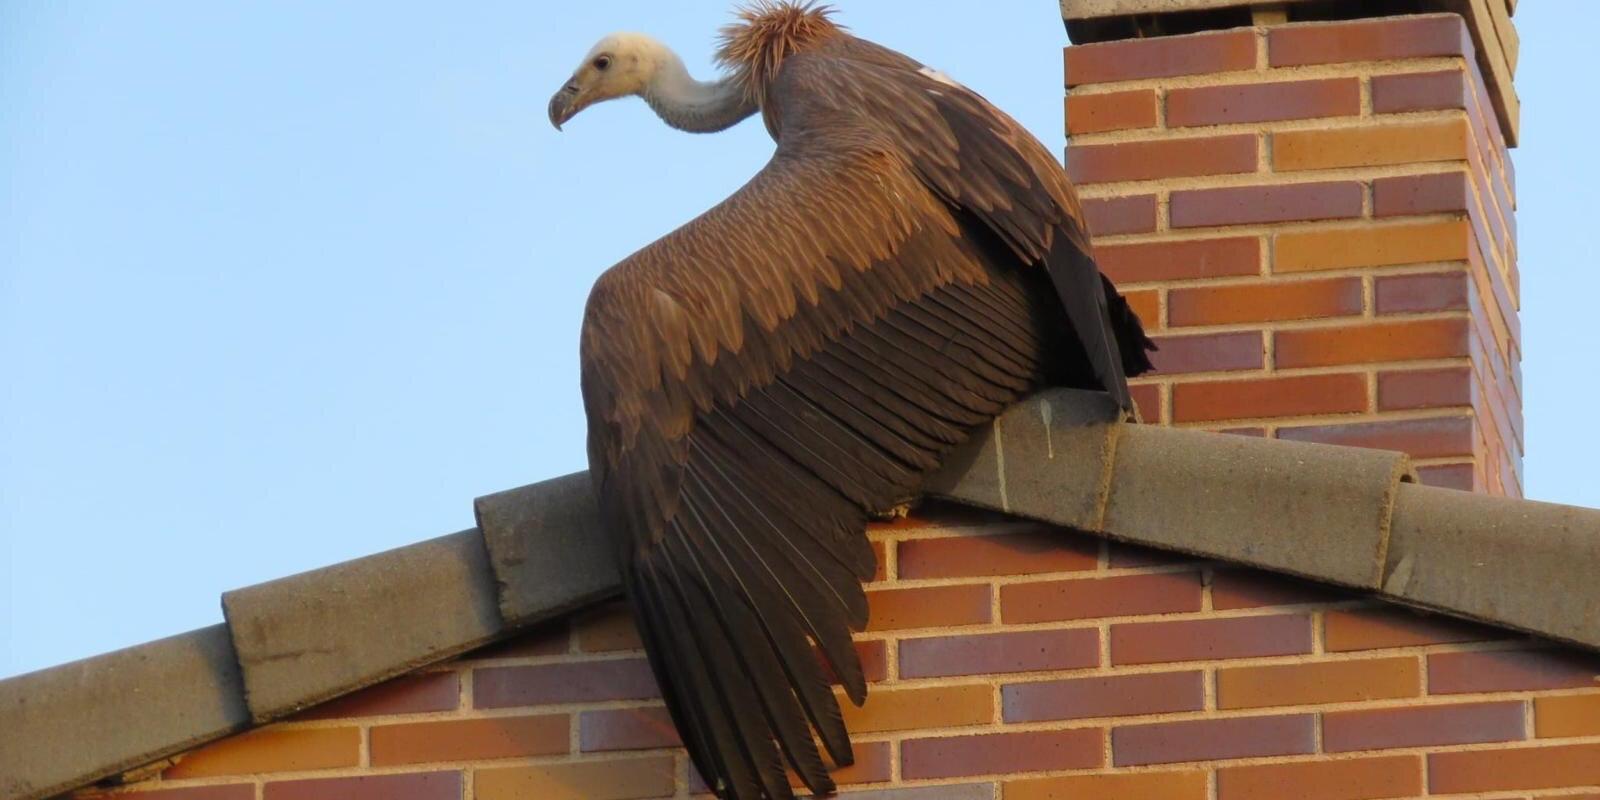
1317,221
1022,662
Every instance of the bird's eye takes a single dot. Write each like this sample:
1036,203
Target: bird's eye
601,62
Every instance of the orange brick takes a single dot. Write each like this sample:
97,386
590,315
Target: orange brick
1370,146
1513,769
1348,779
933,607
1049,549
873,764
1085,598
608,629
1163,158
440,785
1376,246
1114,786
1112,111
1147,304
469,739
272,750
1567,715
628,779
408,694
1376,629
1384,341
905,709
1326,682
1269,397
1264,302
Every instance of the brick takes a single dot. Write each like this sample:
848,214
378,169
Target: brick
1509,671
545,639
409,694
1437,437
630,779
989,754
468,739
1172,261
1410,195
989,653
1381,628
1319,682
1160,57
546,684
873,654
1370,146
231,791
1213,352
1250,205
905,709
1382,39
647,728
1419,91
1162,158
1349,779
608,630
1408,294
1088,598
1047,549
1268,301
1213,740
1108,216
932,607
1210,639
1146,304
880,556
444,785
1408,340
1103,696
1245,588
1567,715
1263,102
1377,246
1424,388
1446,476
1111,786
1147,397
271,750
1513,769
1269,397
1422,726
873,764
1111,111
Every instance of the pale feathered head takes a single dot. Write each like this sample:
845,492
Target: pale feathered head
620,65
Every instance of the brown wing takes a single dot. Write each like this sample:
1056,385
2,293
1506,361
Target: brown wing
760,379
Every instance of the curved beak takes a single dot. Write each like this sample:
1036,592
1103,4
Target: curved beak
564,105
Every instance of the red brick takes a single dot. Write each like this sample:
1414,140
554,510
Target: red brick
1263,102
1242,588
1513,769
1160,57
545,684
1248,205
1214,352
1108,216
1422,726
873,764
989,653
545,639
1447,476
232,791
411,786
1367,40
1172,261
1435,291
1111,111
608,629
1425,388
1269,397
272,750
1147,397
932,607
1047,549
468,739
1267,301
646,728
1213,740
1087,598
996,753
1419,91
1161,158
1440,193
874,657
1319,682
1132,556
1381,628
1374,342
1510,671
1436,437
1210,639
1349,779
409,694
1104,696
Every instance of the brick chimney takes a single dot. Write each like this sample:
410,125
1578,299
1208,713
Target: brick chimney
1313,208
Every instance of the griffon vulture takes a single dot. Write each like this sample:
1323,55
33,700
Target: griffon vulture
763,380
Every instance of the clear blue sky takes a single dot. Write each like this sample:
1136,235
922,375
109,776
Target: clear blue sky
283,284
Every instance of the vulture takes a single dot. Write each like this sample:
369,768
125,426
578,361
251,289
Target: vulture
762,381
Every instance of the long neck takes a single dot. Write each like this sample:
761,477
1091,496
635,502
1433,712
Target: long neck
695,106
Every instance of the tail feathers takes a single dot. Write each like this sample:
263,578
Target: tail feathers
1132,342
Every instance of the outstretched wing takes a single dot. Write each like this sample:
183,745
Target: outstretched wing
803,353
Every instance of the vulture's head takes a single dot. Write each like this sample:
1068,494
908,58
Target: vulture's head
619,65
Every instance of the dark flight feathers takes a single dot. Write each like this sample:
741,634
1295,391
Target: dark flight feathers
908,264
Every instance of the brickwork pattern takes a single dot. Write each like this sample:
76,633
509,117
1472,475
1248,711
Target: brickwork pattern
1316,221
1014,662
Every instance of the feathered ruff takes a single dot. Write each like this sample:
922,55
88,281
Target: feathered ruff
768,31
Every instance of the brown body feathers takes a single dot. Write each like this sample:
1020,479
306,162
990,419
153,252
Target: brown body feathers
768,32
